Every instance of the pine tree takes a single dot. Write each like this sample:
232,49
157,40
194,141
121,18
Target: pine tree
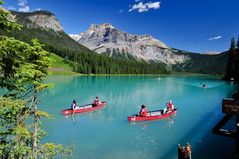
231,72
22,69
233,44
238,42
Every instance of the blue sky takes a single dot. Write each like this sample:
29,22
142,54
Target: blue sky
193,25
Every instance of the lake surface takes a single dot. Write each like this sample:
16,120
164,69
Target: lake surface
106,133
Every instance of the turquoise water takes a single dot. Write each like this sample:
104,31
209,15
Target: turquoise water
106,133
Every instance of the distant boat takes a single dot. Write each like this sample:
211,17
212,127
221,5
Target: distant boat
83,108
152,115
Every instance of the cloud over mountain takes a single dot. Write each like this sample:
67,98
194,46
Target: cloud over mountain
23,6
144,7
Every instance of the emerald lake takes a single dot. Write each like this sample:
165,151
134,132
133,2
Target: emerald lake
106,133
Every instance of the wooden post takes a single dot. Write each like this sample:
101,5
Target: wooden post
237,135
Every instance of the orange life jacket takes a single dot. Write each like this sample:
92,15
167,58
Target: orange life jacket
143,112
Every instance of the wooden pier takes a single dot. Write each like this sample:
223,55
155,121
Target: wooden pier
231,108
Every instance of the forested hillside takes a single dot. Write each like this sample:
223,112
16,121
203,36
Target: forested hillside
203,63
82,59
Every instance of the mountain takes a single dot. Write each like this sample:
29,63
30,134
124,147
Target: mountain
106,39
156,58
202,63
44,26
40,19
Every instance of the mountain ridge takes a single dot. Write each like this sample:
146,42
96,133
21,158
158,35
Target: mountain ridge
81,59
107,39
42,19
84,60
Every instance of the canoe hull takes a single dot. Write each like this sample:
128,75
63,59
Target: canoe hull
82,109
152,117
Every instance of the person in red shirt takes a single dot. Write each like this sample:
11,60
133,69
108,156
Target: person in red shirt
170,106
143,112
96,101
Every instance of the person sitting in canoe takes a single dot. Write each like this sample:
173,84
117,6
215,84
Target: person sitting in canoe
170,107
143,111
74,105
96,101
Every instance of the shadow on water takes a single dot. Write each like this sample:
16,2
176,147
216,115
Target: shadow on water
205,144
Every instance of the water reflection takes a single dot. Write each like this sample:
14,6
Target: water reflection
170,122
144,124
93,115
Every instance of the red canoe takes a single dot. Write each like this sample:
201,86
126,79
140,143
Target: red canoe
152,115
82,109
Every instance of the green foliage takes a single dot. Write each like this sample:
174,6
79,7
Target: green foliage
48,150
6,21
11,55
59,62
21,63
202,63
22,69
238,42
38,60
15,138
232,62
233,44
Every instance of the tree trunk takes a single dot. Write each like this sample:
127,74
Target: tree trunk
34,146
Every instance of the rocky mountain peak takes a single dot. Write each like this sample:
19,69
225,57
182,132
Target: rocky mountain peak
42,19
107,39
101,26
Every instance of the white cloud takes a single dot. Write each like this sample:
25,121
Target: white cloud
23,6
154,5
214,38
22,3
24,9
121,11
11,8
38,9
211,52
144,7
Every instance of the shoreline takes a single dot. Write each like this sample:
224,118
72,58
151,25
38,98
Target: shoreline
66,73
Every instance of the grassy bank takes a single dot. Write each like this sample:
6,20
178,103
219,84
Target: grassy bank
60,67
